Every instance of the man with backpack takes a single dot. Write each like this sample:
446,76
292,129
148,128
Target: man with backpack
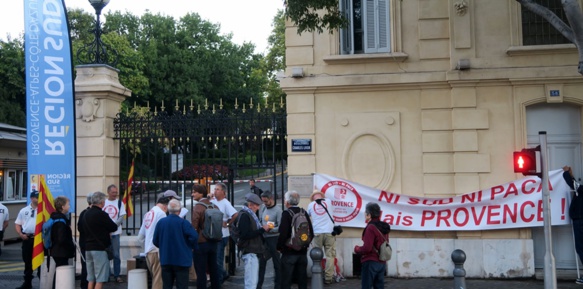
205,258
295,235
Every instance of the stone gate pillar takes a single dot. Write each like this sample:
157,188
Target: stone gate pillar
98,97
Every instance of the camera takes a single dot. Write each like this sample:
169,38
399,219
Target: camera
337,230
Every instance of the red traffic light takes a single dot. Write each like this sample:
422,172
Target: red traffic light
525,162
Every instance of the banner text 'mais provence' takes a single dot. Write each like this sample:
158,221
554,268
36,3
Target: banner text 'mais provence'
49,89
516,204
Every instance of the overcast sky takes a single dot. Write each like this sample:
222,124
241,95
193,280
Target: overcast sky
247,20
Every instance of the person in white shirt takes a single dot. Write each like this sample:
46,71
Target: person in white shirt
4,217
323,227
146,235
25,225
116,211
229,216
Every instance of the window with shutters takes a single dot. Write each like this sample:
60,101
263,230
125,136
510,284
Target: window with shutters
369,27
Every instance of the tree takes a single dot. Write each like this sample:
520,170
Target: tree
274,61
305,14
12,90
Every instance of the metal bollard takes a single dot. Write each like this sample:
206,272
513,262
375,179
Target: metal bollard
65,277
137,278
317,279
459,273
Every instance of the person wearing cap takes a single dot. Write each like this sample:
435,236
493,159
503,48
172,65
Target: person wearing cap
251,243
146,235
172,195
270,214
82,247
25,225
116,210
319,210
229,216
4,217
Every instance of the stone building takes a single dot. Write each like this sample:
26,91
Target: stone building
430,98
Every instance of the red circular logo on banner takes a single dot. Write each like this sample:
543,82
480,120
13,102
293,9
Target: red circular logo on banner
345,200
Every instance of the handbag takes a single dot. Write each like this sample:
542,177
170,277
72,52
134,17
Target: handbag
385,251
337,230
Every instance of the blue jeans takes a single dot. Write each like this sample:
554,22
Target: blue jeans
206,258
221,258
178,274
291,264
578,233
373,275
116,259
251,270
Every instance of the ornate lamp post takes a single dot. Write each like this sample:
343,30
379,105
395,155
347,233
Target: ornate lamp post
96,52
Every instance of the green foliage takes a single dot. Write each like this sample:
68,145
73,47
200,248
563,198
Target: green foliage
12,90
315,15
274,61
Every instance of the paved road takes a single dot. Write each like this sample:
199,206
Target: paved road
11,277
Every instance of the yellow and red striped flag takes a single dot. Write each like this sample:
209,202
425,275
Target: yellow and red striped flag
127,196
46,205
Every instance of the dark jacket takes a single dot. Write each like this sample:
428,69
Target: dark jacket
373,236
251,236
285,229
62,237
176,240
576,206
96,225
257,191
81,234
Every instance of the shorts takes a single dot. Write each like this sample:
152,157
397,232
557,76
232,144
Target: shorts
97,266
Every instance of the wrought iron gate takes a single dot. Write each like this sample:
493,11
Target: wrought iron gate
175,149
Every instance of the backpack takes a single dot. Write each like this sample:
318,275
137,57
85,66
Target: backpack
385,251
46,232
235,232
301,236
213,223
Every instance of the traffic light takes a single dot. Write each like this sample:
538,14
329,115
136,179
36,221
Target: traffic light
525,162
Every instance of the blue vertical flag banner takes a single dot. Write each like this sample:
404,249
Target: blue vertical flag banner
50,98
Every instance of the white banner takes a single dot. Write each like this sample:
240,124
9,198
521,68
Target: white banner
517,204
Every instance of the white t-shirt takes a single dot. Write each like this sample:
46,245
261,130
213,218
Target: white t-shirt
228,211
320,220
149,223
114,213
4,216
26,219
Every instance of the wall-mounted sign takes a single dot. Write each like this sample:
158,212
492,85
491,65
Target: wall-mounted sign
301,145
555,92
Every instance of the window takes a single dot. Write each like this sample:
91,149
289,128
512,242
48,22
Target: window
368,30
538,31
13,185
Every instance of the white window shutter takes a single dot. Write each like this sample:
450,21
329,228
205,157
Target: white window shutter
377,31
383,26
370,29
346,33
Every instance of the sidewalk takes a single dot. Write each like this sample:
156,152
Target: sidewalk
13,279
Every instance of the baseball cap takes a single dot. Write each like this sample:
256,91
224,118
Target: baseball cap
171,193
34,194
253,198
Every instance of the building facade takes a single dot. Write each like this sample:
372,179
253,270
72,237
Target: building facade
430,98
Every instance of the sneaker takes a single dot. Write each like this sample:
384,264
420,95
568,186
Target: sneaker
579,281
